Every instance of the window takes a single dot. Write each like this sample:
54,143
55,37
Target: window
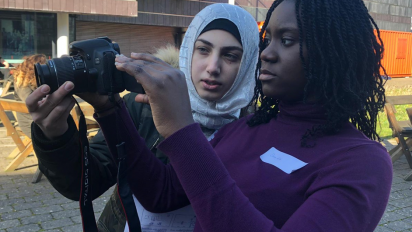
27,33
402,45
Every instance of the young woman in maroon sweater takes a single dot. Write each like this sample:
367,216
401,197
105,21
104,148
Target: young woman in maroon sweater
305,161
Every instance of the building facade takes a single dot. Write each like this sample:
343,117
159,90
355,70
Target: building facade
47,26
394,15
159,22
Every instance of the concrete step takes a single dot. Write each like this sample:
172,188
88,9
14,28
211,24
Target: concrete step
3,132
7,141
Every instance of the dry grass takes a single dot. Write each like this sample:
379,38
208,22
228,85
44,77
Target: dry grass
395,91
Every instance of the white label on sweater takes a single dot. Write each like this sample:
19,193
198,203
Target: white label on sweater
281,160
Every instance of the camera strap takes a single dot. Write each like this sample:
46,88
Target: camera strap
85,200
123,188
125,193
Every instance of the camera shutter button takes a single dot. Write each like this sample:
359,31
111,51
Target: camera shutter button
97,61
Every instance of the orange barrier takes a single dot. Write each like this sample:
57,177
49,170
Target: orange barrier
397,58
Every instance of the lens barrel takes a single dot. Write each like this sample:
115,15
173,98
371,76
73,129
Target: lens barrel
59,70
46,74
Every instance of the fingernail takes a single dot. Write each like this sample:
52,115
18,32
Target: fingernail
68,86
117,55
116,63
134,53
45,89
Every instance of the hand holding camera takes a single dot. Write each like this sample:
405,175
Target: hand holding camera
165,89
50,112
88,72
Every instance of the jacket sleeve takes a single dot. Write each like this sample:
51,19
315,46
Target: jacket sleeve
154,184
60,162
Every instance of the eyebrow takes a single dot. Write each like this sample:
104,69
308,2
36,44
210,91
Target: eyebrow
282,29
226,48
286,29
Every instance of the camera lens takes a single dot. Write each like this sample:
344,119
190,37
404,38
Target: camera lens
59,70
46,74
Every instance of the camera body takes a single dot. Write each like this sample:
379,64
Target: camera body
90,66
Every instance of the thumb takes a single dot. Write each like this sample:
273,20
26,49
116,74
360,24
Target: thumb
142,98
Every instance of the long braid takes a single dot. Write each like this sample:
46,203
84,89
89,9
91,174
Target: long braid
342,66
266,103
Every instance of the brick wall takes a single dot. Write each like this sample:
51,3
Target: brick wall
99,7
131,38
392,15
177,13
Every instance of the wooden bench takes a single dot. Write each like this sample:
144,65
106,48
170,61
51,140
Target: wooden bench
6,83
401,130
23,147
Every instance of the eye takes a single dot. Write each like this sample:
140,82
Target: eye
266,42
231,57
202,50
287,41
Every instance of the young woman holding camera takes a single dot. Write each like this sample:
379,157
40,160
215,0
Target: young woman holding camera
305,161
218,57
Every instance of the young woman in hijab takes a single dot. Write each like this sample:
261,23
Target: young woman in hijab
218,57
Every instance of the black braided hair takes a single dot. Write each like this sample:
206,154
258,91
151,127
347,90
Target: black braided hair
342,67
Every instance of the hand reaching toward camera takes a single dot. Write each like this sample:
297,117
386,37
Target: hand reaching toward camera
165,88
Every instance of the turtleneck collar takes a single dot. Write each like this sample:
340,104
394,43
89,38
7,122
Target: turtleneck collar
302,112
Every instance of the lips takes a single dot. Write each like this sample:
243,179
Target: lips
210,84
266,75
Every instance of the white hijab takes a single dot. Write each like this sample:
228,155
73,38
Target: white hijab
214,115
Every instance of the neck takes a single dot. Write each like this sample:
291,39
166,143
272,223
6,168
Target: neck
313,113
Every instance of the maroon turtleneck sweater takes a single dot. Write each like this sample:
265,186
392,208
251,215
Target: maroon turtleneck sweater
344,187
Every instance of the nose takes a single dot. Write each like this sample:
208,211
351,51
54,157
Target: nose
269,54
213,65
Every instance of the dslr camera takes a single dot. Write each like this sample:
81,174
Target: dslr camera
90,66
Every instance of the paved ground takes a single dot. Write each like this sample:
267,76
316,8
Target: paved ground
28,207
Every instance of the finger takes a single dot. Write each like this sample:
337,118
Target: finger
145,59
142,98
55,98
62,110
43,100
123,59
142,73
148,57
36,96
